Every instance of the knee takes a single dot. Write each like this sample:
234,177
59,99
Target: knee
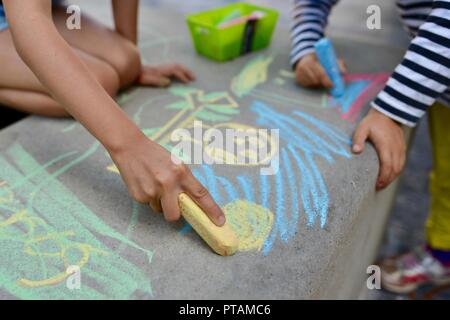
127,62
108,79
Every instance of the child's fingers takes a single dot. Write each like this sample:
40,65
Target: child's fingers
178,71
311,78
187,72
402,161
342,66
180,75
202,197
170,206
386,173
183,73
154,79
156,206
360,137
324,80
399,161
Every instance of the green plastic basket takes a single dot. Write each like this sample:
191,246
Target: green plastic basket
226,44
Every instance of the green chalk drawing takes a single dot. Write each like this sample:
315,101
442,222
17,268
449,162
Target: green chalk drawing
287,74
182,91
126,96
279,81
70,127
44,228
137,116
253,74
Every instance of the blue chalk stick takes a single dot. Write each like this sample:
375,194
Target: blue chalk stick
327,58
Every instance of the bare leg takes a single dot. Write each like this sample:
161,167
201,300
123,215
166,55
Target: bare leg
20,89
103,43
31,102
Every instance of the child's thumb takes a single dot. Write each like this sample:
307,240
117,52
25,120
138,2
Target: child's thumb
164,82
342,66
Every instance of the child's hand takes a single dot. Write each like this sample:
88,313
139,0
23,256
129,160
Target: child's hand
160,76
310,73
388,139
154,179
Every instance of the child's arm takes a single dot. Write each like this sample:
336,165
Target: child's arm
310,18
125,19
423,75
147,168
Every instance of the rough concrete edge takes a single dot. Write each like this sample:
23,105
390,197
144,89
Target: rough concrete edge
349,281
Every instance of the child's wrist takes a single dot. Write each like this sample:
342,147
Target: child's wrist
383,116
124,138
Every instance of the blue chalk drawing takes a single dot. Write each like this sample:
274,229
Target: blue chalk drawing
353,90
298,184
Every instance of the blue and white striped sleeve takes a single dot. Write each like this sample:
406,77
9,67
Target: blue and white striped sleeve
424,73
310,18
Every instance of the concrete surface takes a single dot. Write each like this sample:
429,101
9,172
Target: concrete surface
137,254
405,228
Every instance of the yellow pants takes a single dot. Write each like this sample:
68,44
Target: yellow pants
438,224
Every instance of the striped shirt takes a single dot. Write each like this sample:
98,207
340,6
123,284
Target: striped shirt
423,76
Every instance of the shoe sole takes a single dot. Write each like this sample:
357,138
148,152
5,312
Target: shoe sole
405,289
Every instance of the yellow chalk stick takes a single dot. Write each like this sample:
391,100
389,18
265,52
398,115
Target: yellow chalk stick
221,239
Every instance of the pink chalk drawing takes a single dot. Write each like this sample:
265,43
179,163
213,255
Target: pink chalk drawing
360,90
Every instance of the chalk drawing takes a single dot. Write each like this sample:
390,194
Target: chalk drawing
287,74
253,74
275,205
299,183
44,228
279,81
360,90
251,222
215,110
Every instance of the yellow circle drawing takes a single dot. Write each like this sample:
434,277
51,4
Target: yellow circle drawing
251,223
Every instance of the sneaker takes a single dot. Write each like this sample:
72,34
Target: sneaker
405,273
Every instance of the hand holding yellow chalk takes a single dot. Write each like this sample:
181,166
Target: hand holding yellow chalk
221,239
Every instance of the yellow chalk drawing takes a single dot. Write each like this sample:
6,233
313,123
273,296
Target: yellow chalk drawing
253,74
215,108
59,240
113,168
249,145
251,222
84,249
45,230
211,107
